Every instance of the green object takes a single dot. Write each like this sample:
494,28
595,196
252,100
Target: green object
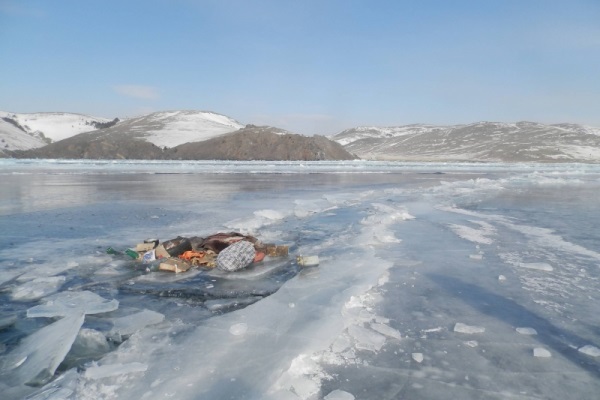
110,250
132,253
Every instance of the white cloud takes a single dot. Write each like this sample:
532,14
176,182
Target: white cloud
137,91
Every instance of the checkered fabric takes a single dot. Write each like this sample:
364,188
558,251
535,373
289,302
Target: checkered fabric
236,256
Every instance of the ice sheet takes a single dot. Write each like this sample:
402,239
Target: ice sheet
375,319
36,358
37,288
125,326
68,303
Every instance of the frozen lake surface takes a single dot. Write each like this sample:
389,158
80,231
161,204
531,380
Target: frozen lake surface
436,281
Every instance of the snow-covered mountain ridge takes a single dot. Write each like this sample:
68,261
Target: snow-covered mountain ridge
54,126
172,128
163,129
481,141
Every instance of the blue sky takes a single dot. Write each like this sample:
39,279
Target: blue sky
310,66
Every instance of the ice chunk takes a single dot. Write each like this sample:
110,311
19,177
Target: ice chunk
89,344
105,371
36,358
339,395
472,343
5,322
270,214
8,275
463,328
537,266
541,352
238,329
501,278
227,304
477,257
303,378
475,235
527,331
130,324
366,339
418,357
53,393
37,288
47,270
68,303
590,350
386,330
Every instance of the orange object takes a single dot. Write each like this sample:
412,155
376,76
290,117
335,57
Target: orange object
258,257
188,255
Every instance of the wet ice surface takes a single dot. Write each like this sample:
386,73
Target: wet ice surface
475,283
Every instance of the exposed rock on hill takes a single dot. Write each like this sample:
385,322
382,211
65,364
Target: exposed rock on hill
250,143
96,145
262,143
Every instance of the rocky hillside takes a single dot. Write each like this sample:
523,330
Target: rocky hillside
96,145
250,143
483,141
262,143
164,129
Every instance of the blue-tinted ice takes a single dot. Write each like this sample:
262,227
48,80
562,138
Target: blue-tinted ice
435,281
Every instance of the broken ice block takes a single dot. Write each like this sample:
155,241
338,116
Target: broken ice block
386,330
418,357
339,395
366,339
541,352
37,288
590,350
526,331
69,303
36,358
130,324
463,328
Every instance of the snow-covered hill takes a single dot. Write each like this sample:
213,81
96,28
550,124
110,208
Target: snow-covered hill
163,129
14,138
172,128
482,141
54,125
